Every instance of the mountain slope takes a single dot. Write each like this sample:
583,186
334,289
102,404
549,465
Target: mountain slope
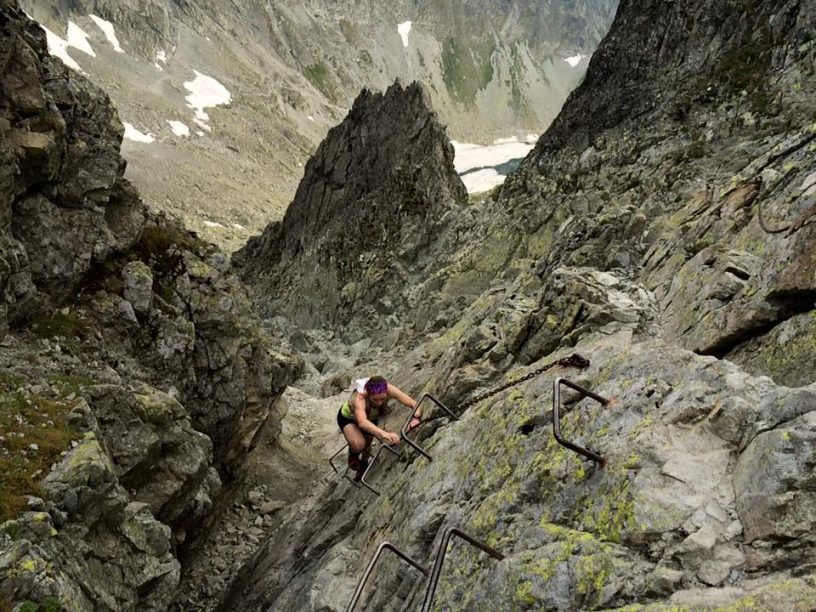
492,69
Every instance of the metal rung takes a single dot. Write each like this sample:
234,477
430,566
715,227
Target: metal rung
557,418
373,461
440,559
404,430
345,471
380,549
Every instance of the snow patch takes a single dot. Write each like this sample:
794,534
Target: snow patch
482,180
470,156
205,92
131,133
58,47
310,118
238,226
179,128
161,58
79,39
212,224
108,31
479,166
574,60
403,29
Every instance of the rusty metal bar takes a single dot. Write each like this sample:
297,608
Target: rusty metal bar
371,465
334,456
380,549
404,430
440,558
557,418
345,471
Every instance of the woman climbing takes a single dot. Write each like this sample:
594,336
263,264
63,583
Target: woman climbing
357,417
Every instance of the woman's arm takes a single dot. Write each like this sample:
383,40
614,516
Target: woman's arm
367,426
403,398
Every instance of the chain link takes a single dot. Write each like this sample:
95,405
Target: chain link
573,361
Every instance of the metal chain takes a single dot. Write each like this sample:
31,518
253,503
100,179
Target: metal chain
573,361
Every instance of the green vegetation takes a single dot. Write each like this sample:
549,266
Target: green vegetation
158,240
68,383
466,70
64,323
159,247
519,102
34,433
50,604
319,75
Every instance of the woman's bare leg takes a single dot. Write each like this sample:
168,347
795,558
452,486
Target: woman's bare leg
356,439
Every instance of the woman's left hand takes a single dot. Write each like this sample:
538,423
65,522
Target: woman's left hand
415,422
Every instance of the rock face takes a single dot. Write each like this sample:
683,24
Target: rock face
630,235
373,200
65,206
134,372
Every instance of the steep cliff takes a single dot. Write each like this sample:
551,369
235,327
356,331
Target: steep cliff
631,235
134,373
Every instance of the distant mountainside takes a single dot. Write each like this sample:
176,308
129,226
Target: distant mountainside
291,70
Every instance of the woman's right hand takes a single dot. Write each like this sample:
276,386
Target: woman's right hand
390,438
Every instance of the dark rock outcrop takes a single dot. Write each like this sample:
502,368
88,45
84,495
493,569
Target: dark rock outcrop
661,60
373,200
134,372
65,205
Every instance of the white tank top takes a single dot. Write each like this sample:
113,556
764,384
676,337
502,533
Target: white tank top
359,385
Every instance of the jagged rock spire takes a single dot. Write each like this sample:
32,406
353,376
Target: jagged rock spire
378,187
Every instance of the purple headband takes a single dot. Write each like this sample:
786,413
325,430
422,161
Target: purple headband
375,388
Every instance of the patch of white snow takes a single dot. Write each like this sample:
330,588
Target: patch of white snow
470,156
79,39
310,118
131,133
574,60
482,180
212,224
238,226
403,29
58,47
161,58
108,31
205,92
179,128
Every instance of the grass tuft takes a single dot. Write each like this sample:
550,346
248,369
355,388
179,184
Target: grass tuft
33,434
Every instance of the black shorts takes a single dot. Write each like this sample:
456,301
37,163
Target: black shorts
342,421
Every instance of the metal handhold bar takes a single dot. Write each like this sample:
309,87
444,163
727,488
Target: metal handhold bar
380,549
557,418
371,465
404,430
440,558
